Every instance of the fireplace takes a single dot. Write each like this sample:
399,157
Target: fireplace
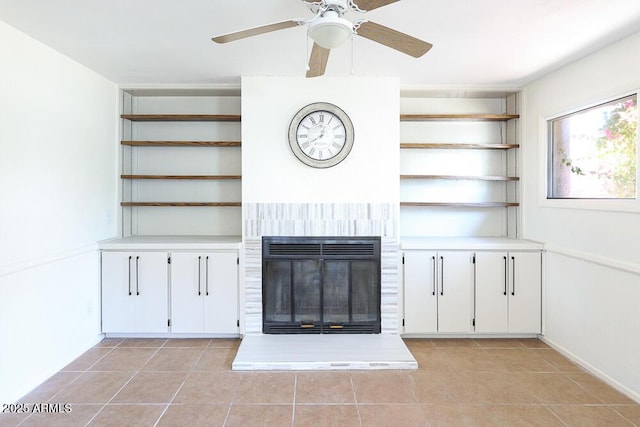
320,285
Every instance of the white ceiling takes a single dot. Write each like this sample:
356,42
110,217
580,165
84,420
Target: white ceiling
476,42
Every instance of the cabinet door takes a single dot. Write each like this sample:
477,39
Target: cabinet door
151,292
187,290
118,301
525,292
455,292
420,296
491,292
221,292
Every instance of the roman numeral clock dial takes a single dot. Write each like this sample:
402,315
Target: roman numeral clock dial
321,135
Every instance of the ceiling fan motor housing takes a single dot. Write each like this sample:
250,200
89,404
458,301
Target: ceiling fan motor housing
340,6
331,30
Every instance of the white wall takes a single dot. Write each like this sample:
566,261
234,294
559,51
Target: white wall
593,264
270,171
58,132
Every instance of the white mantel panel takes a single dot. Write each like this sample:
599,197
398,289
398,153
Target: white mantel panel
270,171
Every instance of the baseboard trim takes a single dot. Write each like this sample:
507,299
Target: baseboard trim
591,369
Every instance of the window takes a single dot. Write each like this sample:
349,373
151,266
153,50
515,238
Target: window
592,152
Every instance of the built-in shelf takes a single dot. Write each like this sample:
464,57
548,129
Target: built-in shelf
182,143
461,204
194,177
438,145
181,204
465,177
181,117
454,117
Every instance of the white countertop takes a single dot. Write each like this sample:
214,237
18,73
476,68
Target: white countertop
171,243
469,243
158,242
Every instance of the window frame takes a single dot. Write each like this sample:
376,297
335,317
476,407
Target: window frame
606,204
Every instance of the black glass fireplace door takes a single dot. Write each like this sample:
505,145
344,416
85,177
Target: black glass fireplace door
321,296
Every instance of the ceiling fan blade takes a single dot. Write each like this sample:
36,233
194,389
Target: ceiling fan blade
368,5
394,39
318,61
225,38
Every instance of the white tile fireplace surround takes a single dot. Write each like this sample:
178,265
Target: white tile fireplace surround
320,219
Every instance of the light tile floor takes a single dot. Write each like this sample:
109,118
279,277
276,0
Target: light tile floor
464,382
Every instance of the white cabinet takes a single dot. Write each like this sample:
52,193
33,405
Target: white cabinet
204,292
508,292
438,292
135,292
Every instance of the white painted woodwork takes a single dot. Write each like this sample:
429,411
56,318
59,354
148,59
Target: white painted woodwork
135,292
492,292
180,160
455,294
525,292
420,293
204,292
448,274
508,292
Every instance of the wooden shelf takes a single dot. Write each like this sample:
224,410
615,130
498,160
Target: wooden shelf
458,117
181,204
461,204
464,177
194,177
181,117
182,143
438,145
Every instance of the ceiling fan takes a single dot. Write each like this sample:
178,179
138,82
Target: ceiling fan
329,29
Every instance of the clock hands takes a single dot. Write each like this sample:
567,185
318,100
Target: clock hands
319,136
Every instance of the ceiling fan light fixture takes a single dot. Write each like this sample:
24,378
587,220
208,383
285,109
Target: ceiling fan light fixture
330,30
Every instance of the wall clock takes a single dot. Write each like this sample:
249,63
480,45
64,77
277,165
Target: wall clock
321,135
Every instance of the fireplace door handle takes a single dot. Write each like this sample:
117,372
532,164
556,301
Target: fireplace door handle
442,275
199,274
505,275
306,324
137,276
130,274
513,275
435,278
206,277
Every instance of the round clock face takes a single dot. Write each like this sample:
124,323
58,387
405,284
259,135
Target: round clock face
321,135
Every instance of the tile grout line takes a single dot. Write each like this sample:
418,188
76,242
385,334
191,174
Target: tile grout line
233,399
170,402
547,406
125,384
75,379
622,415
355,398
293,405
